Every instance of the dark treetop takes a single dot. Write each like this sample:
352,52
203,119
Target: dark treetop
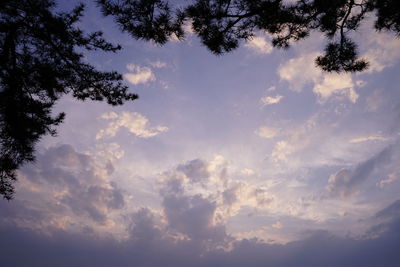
222,24
40,62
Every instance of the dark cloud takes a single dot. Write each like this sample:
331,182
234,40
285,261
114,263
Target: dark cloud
62,181
195,170
391,212
193,216
346,182
187,232
150,245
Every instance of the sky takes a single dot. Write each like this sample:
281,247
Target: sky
253,158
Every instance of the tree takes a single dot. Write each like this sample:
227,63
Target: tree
39,64
222,24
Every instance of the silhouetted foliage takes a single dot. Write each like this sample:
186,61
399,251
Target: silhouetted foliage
222,24
39,64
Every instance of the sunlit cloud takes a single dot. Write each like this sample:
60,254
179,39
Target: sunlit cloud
332,84
158,64
139,75
260,45
376,137
382,51
389,179
267,132
281,151
269,100
76,188
248,172
134,122
302,71
277,225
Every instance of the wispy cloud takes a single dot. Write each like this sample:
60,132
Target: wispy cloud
277,225
376,137
389,179
382,51
267,132
158,64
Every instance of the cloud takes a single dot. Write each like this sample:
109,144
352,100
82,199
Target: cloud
335,84
259,44
269,100
301,71
376,137
277,225
267,132
247,172
198,200
189,212
196,170
346,182
374,101
194,217
139,75
281,151
134,122
382,51
391,212
158,64
389,179
200,180
73,187
149,245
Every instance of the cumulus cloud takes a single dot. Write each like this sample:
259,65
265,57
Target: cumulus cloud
267,132
189,212
346,182
196,170
301,71
198,198
74,187
259,44
269,100
139,75
209,180
335,84
134,122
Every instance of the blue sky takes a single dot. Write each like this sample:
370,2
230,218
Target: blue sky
253,158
